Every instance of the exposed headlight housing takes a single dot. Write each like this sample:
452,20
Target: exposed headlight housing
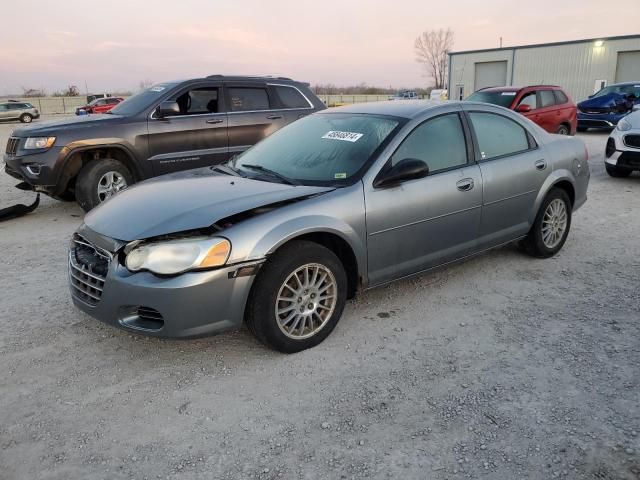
39,143
623,125
178,256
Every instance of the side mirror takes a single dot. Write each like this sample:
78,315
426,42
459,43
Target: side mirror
168,109
523,108
407,169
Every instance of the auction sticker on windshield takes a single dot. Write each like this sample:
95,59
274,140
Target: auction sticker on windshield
344,136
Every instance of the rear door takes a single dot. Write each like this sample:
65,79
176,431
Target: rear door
513,170
252,114
196,137
548,114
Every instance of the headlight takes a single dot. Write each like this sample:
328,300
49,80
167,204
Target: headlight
38,143
623,125
177,256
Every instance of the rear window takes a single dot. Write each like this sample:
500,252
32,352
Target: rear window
291,97
246,99
504,99
560,97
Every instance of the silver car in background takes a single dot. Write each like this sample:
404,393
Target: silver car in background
14,110
341,201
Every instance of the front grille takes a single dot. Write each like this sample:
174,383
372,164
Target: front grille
12,146
88,266
595,110
632,141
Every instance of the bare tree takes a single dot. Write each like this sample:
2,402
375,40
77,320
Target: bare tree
144,84
432,49
33,92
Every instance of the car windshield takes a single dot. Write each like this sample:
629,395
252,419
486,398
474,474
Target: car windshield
324,149
503,99
619,89
141,100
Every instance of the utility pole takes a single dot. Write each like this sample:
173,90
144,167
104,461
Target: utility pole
500,42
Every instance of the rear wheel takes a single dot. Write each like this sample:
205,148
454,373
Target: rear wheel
298,297
100,180
551,227
26,118
617,172
563,130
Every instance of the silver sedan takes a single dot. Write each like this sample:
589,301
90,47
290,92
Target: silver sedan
341,201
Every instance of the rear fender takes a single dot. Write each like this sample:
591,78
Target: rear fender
556,177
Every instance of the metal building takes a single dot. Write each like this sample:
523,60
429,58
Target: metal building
581,67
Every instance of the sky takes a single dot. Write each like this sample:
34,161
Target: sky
113,45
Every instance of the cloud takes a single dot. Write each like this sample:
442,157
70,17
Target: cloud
61,33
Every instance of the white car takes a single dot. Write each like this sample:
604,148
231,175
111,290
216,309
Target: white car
622,155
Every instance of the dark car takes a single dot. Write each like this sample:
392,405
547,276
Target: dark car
169,127
547,105
99,105
604,109
23,111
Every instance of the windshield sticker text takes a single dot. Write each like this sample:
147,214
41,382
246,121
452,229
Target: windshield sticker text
344,136
509,94
157,89
340,175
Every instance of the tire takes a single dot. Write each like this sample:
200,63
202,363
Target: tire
563,130
292,259
95,174
582,129
26,118
616,172
536,244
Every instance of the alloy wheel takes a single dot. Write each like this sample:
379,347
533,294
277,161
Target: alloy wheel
554,223
110,183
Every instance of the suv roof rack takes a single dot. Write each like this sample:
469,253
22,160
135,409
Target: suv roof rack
253,77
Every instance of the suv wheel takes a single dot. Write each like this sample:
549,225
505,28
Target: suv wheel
551,227
100,180
616,172
563,130
26,118
298,297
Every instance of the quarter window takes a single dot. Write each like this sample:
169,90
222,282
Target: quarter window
244,99
291,97
498,135
560,97
439,142
547,98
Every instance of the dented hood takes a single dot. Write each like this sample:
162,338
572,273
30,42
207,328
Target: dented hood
186,201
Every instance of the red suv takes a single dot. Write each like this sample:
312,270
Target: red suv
547,105
100,105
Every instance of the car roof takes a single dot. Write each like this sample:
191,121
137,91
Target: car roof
399,108
516,89
622,84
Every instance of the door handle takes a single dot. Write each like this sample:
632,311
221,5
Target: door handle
465,184
541,164
213,121
273,117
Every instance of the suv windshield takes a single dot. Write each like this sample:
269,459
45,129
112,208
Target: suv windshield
620,89
326,149
141,100
503,99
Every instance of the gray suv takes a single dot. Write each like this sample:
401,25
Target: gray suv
23,111
169,127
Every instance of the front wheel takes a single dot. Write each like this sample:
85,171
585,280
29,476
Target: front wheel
298,297
616,172
26,118
551,226
100,180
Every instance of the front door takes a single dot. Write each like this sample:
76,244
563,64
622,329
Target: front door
513,170
429,221
196,137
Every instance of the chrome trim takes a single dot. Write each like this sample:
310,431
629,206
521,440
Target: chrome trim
189,153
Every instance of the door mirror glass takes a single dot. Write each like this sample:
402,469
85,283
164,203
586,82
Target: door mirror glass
168,109
523,108
407,169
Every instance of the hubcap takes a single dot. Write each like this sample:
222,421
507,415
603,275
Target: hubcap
554,223
110,183
306,300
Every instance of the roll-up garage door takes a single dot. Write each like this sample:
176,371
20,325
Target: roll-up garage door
490,74
628,69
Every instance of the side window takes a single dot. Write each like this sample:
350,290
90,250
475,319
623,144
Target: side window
101,102
498,135
561,98
547,98
3,108
529,99
198,101
244,99
439,142
291,97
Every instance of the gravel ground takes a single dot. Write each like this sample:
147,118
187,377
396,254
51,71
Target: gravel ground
503,367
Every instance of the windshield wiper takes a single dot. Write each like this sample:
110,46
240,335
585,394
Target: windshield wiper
226,169
273,173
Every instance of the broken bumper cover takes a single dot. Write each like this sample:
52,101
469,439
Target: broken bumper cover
193,304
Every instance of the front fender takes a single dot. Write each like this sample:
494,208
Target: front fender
554,178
